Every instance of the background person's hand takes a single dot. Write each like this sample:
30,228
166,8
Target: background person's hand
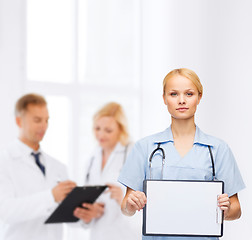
115,192
62,189
89,212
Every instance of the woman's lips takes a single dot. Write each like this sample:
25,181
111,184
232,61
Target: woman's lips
182,109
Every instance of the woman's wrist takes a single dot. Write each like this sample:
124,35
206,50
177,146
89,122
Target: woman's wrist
125,210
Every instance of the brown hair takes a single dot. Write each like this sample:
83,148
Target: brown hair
23,102
115,110
185,72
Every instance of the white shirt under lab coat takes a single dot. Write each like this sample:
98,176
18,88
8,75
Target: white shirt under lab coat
113,225
26,198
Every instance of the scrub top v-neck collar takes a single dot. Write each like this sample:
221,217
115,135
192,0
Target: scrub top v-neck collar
173,156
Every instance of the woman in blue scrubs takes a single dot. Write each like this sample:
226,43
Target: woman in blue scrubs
187,153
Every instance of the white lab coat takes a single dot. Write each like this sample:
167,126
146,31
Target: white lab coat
26,198
113,225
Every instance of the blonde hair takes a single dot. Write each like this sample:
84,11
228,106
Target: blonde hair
31,98
185,72
115,110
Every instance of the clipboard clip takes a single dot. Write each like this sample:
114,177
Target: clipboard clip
219,213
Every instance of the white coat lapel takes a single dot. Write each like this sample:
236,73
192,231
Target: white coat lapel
21,153
119,149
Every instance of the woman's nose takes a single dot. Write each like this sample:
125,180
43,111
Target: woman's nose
181,99
99,134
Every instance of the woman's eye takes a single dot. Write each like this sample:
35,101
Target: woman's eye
173,94
189,94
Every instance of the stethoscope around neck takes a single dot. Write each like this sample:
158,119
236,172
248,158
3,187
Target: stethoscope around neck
163,161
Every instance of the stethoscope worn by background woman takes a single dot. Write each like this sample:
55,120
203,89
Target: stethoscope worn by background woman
163,161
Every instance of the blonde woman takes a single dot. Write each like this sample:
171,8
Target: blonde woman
105,217
186,150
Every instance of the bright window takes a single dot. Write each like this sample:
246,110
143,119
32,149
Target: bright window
50,40
110,54
56,141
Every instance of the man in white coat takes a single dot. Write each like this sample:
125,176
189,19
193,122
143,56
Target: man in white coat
31,182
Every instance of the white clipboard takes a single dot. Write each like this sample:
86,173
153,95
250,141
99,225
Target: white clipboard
182,208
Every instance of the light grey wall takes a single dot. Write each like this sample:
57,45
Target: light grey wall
11,64
214,39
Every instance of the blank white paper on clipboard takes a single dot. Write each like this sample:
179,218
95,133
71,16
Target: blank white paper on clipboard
182,208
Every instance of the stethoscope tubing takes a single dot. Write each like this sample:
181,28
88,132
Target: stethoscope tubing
163,161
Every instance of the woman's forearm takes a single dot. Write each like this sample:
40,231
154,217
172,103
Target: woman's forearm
235,209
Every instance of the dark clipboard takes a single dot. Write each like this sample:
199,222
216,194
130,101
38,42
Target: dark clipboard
79,195
168,220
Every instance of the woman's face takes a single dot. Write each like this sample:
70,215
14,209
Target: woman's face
181,97
107,132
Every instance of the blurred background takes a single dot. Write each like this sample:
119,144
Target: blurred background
80,54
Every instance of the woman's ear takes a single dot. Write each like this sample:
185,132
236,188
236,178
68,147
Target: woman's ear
200,96
165,102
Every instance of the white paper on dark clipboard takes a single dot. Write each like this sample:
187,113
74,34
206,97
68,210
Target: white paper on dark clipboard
184,208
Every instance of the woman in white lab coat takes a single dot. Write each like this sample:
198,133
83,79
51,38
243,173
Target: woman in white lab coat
104,217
